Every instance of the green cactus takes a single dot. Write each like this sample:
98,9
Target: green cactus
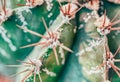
60,40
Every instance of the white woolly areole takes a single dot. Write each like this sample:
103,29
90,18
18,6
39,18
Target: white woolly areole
73,7
37,62
4,16
99,22
110,60
102,28
53,40
93,6
103,31
39,2
37,65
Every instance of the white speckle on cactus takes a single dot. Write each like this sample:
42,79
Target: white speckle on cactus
96,42
113,37
8,35
102,3
51,21
48,72
91,44
49,4
88,16
92,71
101,13
62,55
81,26
19,10
4,53
102,8
50,15
21,17
4,36
80,53
29,40
95,14
28,80
117,32
84,50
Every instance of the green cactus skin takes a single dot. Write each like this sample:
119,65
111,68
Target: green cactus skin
11,41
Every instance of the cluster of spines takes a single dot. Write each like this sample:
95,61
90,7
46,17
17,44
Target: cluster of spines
69,13
104,27
51,41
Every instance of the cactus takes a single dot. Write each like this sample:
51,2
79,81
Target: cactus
59,40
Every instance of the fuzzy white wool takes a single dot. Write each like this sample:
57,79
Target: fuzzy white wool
103,31
4,16
37,66
93,6
53,43
48,72
8,12
37,62
100,21
53,40
73,7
